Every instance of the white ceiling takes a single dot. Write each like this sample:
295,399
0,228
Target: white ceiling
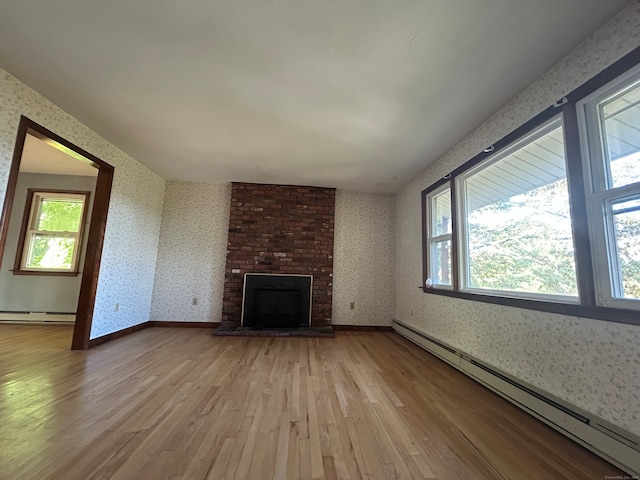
39,156
354,94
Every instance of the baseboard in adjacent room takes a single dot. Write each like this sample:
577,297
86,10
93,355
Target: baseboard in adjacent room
610,442
38,318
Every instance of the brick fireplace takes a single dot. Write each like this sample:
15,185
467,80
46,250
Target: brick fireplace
280,229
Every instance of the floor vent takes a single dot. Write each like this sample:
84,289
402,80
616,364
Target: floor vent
611,443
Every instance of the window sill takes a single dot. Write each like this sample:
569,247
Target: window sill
45,273
610,314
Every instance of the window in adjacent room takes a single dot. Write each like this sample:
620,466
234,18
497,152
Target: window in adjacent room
51,235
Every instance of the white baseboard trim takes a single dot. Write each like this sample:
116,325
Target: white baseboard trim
610,442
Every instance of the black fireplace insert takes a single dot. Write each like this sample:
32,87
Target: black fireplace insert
276,301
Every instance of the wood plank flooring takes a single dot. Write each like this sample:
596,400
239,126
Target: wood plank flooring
180,404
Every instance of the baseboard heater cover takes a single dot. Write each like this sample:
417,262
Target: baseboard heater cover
439,349
39,317
529,391
619,448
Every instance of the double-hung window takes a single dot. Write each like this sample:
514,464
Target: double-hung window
610,127
52,232
439,237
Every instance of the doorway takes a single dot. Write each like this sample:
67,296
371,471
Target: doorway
70,251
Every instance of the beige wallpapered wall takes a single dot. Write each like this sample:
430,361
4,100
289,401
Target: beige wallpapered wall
191,253
135,211
590,363
363,259
192,249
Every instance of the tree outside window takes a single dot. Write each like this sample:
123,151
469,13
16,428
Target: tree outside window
51,236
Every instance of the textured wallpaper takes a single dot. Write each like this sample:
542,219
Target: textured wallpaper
191,253
590,363
363,259
135,211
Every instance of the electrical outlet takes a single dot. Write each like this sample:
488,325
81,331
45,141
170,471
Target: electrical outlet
352,305
194,301
116,307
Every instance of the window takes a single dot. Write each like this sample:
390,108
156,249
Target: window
515,222
610,122
51,236
439,236
548,218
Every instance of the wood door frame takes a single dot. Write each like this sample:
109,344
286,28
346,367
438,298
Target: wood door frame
95,239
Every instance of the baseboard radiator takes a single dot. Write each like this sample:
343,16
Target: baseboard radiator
615,445
37,317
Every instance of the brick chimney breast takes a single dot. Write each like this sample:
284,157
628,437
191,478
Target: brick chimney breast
280,229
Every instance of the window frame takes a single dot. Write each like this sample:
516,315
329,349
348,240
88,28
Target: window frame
34,198
588,305
600,194
464,273
431,239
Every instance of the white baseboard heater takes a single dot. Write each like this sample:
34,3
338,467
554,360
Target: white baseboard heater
610,442
37,317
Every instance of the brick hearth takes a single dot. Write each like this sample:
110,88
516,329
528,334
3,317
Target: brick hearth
280,229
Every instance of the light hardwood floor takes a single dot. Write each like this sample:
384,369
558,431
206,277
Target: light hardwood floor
178,403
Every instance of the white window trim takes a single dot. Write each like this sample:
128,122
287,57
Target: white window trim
31,232
599,197
433,240
463,244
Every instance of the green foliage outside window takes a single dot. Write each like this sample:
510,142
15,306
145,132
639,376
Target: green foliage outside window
51,252
54,232
524,243
59,215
